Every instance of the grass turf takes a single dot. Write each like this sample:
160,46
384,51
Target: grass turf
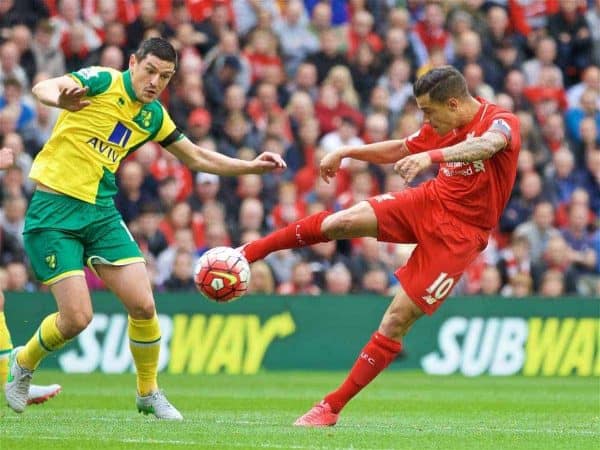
404,410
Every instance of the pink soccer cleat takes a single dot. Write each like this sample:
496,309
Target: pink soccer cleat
319,415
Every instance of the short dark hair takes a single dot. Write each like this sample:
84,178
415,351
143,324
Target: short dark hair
159,47
441,84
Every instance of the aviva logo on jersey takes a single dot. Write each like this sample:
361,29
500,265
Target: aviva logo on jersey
119,136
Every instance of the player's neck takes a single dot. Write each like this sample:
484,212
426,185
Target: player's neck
469,110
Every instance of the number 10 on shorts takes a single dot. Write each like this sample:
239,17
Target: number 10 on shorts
439,288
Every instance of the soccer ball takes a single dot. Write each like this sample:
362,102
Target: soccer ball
222,274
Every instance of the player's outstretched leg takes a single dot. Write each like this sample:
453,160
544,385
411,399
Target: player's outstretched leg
306,231
16,389
380,351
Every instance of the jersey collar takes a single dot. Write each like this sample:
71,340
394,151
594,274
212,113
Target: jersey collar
129,86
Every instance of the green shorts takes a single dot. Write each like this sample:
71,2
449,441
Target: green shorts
62,234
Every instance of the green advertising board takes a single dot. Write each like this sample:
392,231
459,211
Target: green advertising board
470,336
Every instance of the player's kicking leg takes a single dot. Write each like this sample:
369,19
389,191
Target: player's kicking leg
380,351
144,334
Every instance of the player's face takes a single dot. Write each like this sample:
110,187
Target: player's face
150,76
440,115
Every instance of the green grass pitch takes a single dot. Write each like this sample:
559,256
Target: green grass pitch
400,410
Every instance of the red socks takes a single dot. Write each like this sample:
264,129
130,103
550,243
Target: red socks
379,352
302,233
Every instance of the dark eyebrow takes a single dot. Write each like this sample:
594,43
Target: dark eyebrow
152,66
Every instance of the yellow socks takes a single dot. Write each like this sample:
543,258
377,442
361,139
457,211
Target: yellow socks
144,342
47,339
5,349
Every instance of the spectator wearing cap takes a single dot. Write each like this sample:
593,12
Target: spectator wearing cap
198,124
229,45
217,81
206,189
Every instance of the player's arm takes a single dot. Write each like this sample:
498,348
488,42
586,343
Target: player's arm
472,149
61,92
203,160
385,152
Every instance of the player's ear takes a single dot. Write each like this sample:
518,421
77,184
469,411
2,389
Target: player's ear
132,61
452,104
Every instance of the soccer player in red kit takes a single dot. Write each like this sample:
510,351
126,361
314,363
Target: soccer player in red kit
450,217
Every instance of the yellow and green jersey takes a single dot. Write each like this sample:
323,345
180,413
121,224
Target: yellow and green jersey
87,146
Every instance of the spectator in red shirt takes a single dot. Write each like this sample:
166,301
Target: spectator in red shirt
361,30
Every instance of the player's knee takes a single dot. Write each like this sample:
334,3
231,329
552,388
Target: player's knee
398,319
337,226
73,324
144,310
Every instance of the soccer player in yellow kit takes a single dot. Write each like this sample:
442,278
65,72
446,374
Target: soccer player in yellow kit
72,220
37,393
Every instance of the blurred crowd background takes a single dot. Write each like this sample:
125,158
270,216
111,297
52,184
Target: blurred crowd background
302,78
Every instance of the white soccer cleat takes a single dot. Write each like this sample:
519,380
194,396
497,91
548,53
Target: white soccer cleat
156,403
40,394
16,389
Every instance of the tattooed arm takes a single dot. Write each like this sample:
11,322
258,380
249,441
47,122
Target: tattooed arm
471,149
476,148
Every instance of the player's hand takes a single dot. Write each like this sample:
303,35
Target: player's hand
7,157
268,161
329,165
410,166
72,99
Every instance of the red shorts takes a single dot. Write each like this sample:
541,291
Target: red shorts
445,244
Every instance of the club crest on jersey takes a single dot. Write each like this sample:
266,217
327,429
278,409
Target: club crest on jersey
144,118
51,261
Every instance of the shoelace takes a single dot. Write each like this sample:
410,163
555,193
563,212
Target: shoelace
161,400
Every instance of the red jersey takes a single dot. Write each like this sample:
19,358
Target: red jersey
475,192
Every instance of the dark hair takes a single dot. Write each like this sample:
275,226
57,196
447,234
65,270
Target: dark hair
159,47
441,84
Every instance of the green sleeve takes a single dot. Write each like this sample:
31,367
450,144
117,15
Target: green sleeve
96,79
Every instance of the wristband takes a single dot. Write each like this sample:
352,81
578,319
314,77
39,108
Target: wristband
437,156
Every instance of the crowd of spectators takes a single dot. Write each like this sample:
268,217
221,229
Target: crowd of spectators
301,78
